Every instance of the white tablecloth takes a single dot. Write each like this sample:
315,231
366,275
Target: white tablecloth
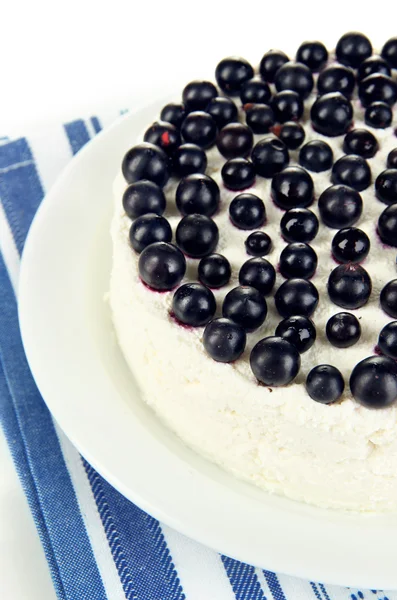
20,547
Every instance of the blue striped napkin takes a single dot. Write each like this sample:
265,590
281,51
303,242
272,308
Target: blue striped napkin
98,544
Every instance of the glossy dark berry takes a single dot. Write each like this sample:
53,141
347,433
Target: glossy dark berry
299,225
336,78
199,128
193,304
352,170
340,206
312,54
353,48
214,271
343,330
292,134
189,159
245,306
387,341
296,297
247,211
325,384
331,114
197,95
292,188
275,361
349,286
231,73
388,298
296,77
224,340
255,91
258,243
373,64
287,106
270,64
146,161
173,113
162,266
269,156
197,235
148,229
222,110
298,260
164,135
197,194
235,139
392,159
316,156
361,142
373,382
387,226
299,331
386,186
389,52
377,88
259,117
143,197
238,174
259,274
350,245
378,115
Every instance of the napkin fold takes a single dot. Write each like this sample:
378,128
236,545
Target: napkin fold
97,543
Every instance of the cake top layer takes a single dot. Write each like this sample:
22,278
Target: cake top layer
281,191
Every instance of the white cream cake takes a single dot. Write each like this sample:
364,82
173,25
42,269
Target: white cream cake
341,455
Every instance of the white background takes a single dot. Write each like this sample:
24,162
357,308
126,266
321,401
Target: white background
60,60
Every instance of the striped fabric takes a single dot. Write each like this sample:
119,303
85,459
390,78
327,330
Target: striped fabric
98,544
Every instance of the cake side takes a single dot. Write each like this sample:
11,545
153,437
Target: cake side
339,456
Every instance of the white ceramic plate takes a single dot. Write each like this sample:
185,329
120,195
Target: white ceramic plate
71,348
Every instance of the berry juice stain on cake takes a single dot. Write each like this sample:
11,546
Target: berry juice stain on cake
235,205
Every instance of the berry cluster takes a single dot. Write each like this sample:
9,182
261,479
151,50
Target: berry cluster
271,104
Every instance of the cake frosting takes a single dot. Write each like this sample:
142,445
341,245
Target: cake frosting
341,455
